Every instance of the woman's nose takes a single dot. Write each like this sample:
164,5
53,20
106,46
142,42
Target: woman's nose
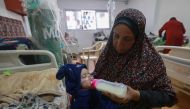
120,43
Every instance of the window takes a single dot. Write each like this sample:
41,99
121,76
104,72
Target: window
87,19
102,19
73,19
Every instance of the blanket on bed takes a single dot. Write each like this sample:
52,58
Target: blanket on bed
30,101
40,83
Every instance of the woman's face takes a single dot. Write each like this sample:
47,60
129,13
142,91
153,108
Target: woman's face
123,38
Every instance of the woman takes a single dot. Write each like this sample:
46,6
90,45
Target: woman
131,59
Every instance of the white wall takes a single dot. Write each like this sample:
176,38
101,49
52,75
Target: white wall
85,37
157,12
147,7
4,12
173,8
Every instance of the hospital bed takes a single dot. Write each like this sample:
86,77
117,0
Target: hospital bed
11,61
37,81
177,63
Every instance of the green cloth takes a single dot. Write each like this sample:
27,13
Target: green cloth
158,41
7,72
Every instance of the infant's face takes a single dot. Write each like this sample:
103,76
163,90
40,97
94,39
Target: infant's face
86,78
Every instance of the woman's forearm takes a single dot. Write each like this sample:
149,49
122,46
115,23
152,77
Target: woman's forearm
157,98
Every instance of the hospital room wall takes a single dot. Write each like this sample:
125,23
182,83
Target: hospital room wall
156,12
85,37
148,8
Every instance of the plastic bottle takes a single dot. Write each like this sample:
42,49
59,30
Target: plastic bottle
117,89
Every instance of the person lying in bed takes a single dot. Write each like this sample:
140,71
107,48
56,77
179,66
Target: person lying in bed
77,77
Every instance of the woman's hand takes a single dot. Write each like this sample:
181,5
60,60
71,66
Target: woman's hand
132,95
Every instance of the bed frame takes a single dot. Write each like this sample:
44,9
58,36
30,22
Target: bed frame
177,63
9,60
177,51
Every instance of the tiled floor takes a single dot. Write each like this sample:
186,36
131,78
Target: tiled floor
183,99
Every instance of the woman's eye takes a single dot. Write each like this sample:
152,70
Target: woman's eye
116,36
128,40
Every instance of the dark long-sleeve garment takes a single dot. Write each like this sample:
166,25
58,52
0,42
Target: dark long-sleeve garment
157,98
141,68
152,99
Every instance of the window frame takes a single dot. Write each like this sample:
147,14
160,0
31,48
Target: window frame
80,10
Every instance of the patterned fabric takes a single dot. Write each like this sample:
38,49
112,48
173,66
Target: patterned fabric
30,101
142,68
11,27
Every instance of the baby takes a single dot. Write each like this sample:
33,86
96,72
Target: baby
78,84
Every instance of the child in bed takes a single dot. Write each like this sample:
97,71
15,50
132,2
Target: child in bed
75,75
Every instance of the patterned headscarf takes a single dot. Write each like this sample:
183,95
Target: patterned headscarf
142,67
